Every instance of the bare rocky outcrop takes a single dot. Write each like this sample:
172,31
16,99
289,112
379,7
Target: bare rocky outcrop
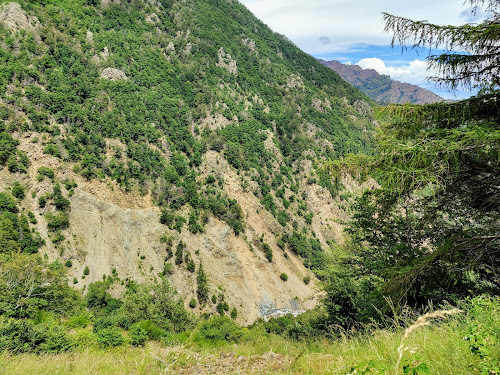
105,3
113,74
295,81
153,18
214,122
90,37
250,43
226,62
363,108
13,17
102,56
318,105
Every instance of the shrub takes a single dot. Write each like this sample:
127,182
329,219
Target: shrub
222,307
152,330
307,279
283,218
81,321
278,325
68,263
220,328
44,171
23,336
268,252
308,218
138,335
18,190
32,218
192,303
86,271
60,202
158,303
190,265
179,252
55,221
109,337
202,285
234,313
168,269
52,149
83,339
103,323
284,276
7,203
210,180
42,201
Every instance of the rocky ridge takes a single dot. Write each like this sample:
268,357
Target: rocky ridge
382,88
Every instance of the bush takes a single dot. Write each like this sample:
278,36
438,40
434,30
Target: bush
284,276
278,325
109,337
103,323
222,307
192,303
61,203
32,218
7,203
168,269
44,171
220,329
83,339
42,201
86,271
138,335
158,303
234,313
152,330
283,218
55,221
80,321
18,190
307,279
268,252
23,336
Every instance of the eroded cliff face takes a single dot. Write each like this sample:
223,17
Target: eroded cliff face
117,232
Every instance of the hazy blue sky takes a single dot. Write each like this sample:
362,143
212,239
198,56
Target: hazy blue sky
352,31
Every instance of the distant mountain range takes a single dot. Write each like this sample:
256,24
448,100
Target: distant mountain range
382,88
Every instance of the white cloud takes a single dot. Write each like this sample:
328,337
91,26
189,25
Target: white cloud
415,72
475,14
346,22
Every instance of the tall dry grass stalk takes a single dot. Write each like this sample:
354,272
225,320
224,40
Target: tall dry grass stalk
422,321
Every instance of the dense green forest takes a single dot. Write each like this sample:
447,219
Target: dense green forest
173,70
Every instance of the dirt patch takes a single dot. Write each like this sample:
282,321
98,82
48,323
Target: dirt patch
230,363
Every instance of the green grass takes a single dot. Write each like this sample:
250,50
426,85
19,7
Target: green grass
441,347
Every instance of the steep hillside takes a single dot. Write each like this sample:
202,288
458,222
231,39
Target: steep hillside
382,88
150,137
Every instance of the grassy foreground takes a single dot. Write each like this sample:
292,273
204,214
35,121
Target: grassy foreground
457,345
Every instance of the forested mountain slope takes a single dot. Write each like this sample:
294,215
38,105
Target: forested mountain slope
381,87
149,137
